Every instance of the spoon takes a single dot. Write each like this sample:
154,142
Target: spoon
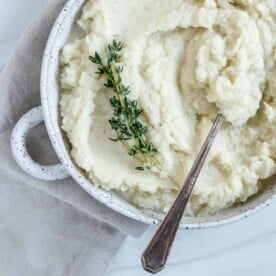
155,255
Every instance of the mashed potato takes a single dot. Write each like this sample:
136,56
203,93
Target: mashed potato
184,61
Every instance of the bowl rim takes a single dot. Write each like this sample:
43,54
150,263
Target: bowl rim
63,23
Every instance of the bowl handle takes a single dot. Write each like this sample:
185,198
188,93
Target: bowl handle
21,155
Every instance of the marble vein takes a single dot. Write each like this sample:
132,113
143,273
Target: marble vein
8,39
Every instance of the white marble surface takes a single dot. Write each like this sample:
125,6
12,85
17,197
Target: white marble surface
244,248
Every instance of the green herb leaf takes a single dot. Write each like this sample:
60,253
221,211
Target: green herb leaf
130,129
140,168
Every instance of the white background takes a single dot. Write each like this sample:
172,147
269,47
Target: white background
244,248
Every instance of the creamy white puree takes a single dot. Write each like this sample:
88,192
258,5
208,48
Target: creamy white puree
184,61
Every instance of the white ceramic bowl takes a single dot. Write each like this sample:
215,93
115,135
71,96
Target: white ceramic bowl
49,113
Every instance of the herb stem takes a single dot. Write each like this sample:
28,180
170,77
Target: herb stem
130,130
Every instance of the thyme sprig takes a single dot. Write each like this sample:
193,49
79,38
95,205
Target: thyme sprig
129,128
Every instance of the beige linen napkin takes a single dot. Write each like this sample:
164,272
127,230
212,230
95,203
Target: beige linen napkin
47,228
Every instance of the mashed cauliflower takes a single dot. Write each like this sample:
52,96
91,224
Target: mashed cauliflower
185,60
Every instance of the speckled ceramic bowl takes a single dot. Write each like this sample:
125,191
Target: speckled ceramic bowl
61,33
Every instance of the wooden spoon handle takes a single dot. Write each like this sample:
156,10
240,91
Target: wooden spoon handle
155,256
